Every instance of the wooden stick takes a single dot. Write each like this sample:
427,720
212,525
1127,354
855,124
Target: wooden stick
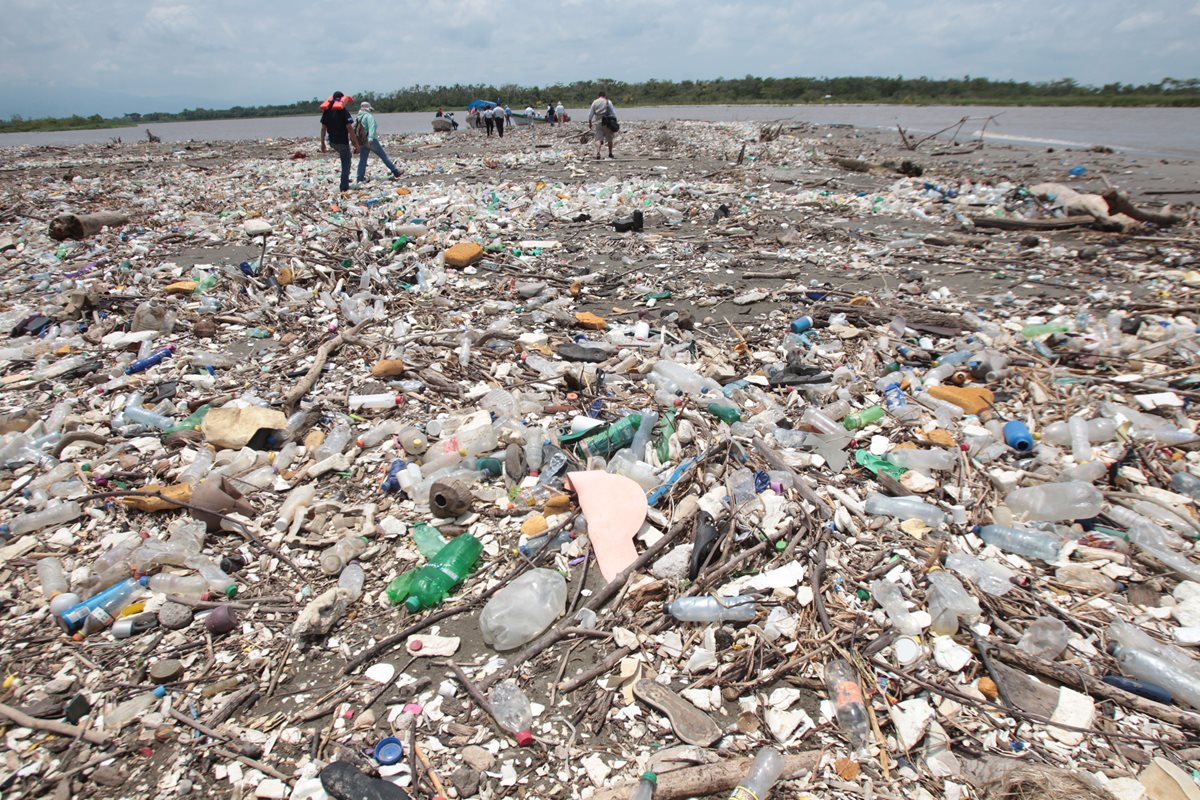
50,726
433,776
711,778
305,384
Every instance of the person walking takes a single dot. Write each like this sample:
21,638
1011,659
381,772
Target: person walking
550,114
602,110
366,120
487,120
338,127
560,113
499,116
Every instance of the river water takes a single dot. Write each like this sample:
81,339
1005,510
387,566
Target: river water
1166,132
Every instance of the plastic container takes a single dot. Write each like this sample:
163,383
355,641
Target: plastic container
1017,436
712,609
763,773
375,401
55,515
1081,444
132,709
219,583
380,432
352,580
949,603
522,610
1055,501
923,460
821,422
511,710
429,585
334,443
905,508
348,548
184,585
615,437
53,577
1023,541
846,694
1155,663
891,599
1045,637
991,578
151,360
1099,430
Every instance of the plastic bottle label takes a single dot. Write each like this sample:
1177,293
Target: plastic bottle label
742,793
103,616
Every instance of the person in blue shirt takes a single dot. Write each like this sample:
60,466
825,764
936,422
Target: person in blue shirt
367,119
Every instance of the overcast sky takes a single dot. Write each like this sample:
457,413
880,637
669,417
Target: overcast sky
117,56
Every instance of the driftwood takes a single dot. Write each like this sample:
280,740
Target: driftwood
1054,224
711,778
1121,204
50,726
81,226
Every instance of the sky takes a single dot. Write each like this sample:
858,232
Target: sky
59,57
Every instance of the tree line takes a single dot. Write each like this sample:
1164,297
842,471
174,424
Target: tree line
899,90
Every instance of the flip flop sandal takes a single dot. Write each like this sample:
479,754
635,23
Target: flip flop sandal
690,724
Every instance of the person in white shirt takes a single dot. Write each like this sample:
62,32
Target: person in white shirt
602,110
488,122
560,113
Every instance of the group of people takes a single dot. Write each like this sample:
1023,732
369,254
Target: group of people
360,136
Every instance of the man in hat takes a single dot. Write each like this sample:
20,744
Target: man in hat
367,120
338,127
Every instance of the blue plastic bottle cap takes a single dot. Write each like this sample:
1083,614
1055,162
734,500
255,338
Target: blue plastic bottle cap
389,750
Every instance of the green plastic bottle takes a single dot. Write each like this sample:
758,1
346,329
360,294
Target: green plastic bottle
1034,331
429,540
611,439
209,281
430,584
863,418
725,413
191,422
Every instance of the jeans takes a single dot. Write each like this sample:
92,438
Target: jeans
343,149
376,147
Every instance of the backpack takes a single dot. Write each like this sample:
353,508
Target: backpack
360,133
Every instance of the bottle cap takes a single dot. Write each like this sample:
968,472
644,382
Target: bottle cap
524,738
231,590
160,691
389,750
650,776
908,650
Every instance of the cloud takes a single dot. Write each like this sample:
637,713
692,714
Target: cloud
131,55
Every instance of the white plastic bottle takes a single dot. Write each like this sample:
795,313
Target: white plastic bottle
923,460
1055,501
53,577
905,508
36,520
132,708
1023,541
712,609
521,611
352,580
348,548
764,771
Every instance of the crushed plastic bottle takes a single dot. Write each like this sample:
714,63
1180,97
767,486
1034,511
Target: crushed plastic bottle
521,611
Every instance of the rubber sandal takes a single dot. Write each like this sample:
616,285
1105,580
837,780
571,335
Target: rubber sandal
690,724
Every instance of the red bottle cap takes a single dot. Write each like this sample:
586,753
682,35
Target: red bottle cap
524,738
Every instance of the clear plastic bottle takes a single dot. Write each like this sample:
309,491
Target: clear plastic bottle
905,508
923,460
53,577
144,416
510,708
334,558
59,514
132,709
991,578
380,432
949,603
1156,663
891,599
1143,531
1055,501
1023,541
334,443
764,770
521,611
841,681
793,439
1081,444
645,788
184,585
219,583
1081,576
1099,430
352,580
712,609
821,422
375,401
197,471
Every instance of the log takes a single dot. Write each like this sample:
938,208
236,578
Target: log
50,726
711,778
82,226
1121,204
1008,224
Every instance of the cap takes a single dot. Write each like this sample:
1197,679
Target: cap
365,106
650,776
524,738
390,750
160,691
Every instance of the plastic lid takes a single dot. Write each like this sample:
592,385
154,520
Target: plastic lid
231,590
160,691
650,776
412,603
524,738
907,649
390,750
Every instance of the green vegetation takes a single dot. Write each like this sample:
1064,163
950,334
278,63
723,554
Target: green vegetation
899,90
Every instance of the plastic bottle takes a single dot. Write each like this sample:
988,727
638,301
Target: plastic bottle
218,582
59,514
645,788
1099,430
905,508
1081,444
615,437
726,414
1187,484
949,603
295,506
428,539
391,483
150,360
763,772
1017,436
133,709
1156,663
334,443
144,416
896,403
819,421
1023,541
712,609
551,541
352,580
521,611
841,682
375,401
334,558
923,460
183,585
101,614
196,471
53,578
430,584
861,419
380,432
510,707
891,599
646,425
991,578
1055,501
